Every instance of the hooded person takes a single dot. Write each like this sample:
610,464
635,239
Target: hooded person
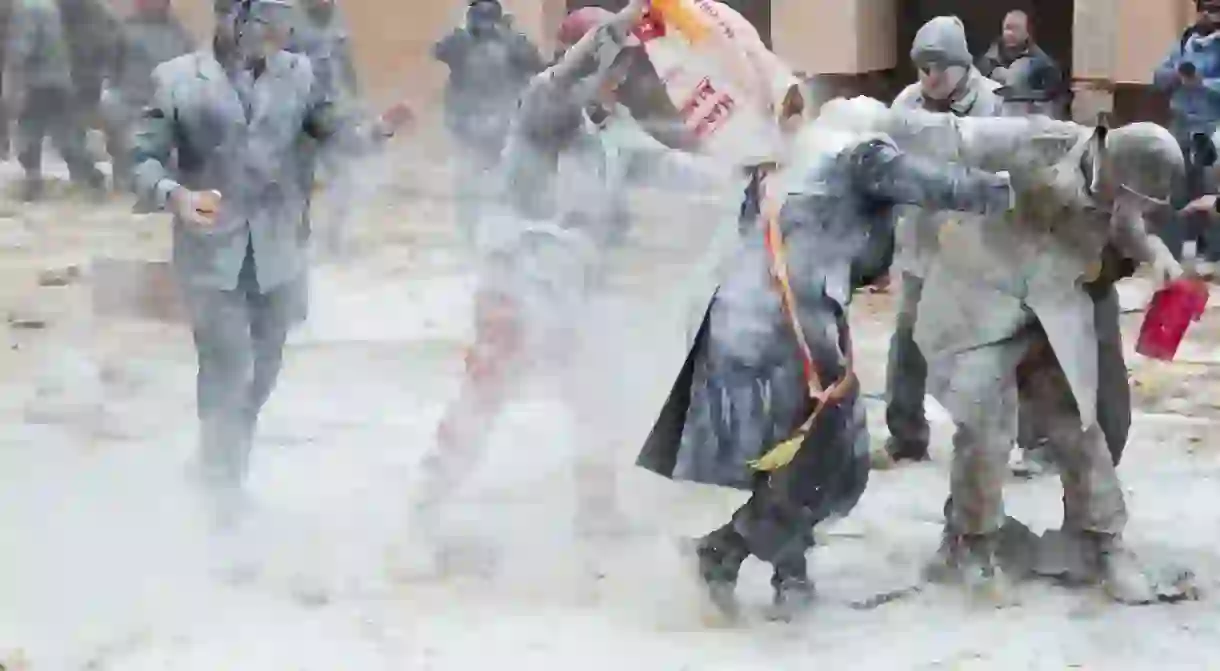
745,386
232,115
948,82
540,246
996,292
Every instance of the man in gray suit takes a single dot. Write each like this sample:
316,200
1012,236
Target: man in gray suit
234,116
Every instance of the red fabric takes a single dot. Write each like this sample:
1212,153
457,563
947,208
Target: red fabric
580,22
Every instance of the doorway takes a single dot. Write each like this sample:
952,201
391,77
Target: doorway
1051,24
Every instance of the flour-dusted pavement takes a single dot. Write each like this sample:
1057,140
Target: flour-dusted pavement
106,563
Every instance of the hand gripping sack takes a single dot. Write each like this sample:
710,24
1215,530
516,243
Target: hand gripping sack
729,90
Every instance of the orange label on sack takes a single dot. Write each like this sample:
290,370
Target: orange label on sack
650,27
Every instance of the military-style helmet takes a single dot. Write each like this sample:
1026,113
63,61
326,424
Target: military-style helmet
580,22
1144,159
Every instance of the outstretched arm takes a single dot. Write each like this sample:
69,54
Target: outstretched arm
887,173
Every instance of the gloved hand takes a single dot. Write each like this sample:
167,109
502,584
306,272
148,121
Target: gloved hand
999,75
1165,268
195,208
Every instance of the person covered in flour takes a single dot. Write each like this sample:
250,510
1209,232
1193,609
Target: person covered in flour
775,348
232,114
559,207
998,292
949,83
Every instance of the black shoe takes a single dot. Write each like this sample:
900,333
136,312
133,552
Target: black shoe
793,597
906,451
719,556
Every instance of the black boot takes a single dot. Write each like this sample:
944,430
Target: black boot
720,555
905,450
793,590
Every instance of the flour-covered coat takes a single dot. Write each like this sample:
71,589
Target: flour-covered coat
742,387
998,290
992,281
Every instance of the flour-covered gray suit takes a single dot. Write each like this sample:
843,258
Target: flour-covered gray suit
244,275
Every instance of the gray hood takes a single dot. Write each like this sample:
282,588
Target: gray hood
944,36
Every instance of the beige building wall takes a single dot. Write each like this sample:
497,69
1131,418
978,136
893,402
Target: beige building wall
1145,32
835,36
1120,41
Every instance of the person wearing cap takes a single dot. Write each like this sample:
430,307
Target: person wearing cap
151,36
948,82
232,115
490,64
996,293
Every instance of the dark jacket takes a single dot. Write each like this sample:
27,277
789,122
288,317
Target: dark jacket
1041,73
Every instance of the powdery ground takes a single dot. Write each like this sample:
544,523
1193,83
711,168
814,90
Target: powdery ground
105,563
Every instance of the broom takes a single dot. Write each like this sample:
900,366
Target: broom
781,455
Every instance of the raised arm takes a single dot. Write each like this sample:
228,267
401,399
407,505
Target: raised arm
885,172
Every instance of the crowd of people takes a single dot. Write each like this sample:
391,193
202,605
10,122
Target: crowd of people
1007,230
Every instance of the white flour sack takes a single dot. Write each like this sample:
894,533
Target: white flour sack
728,88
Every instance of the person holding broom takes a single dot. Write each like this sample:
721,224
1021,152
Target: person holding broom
767,401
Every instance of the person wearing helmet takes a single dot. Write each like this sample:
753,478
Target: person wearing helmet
232,116
540,245
948,82
998,291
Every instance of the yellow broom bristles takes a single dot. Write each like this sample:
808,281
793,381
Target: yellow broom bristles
779,456
680,15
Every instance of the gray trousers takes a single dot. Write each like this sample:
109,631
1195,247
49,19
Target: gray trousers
1092,496
906,374
50,111
239,338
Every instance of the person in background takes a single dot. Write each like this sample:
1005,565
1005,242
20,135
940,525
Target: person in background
92,31
1190,75
948,82
1015,60
151,36
490,65
321,35
40,73
6,17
